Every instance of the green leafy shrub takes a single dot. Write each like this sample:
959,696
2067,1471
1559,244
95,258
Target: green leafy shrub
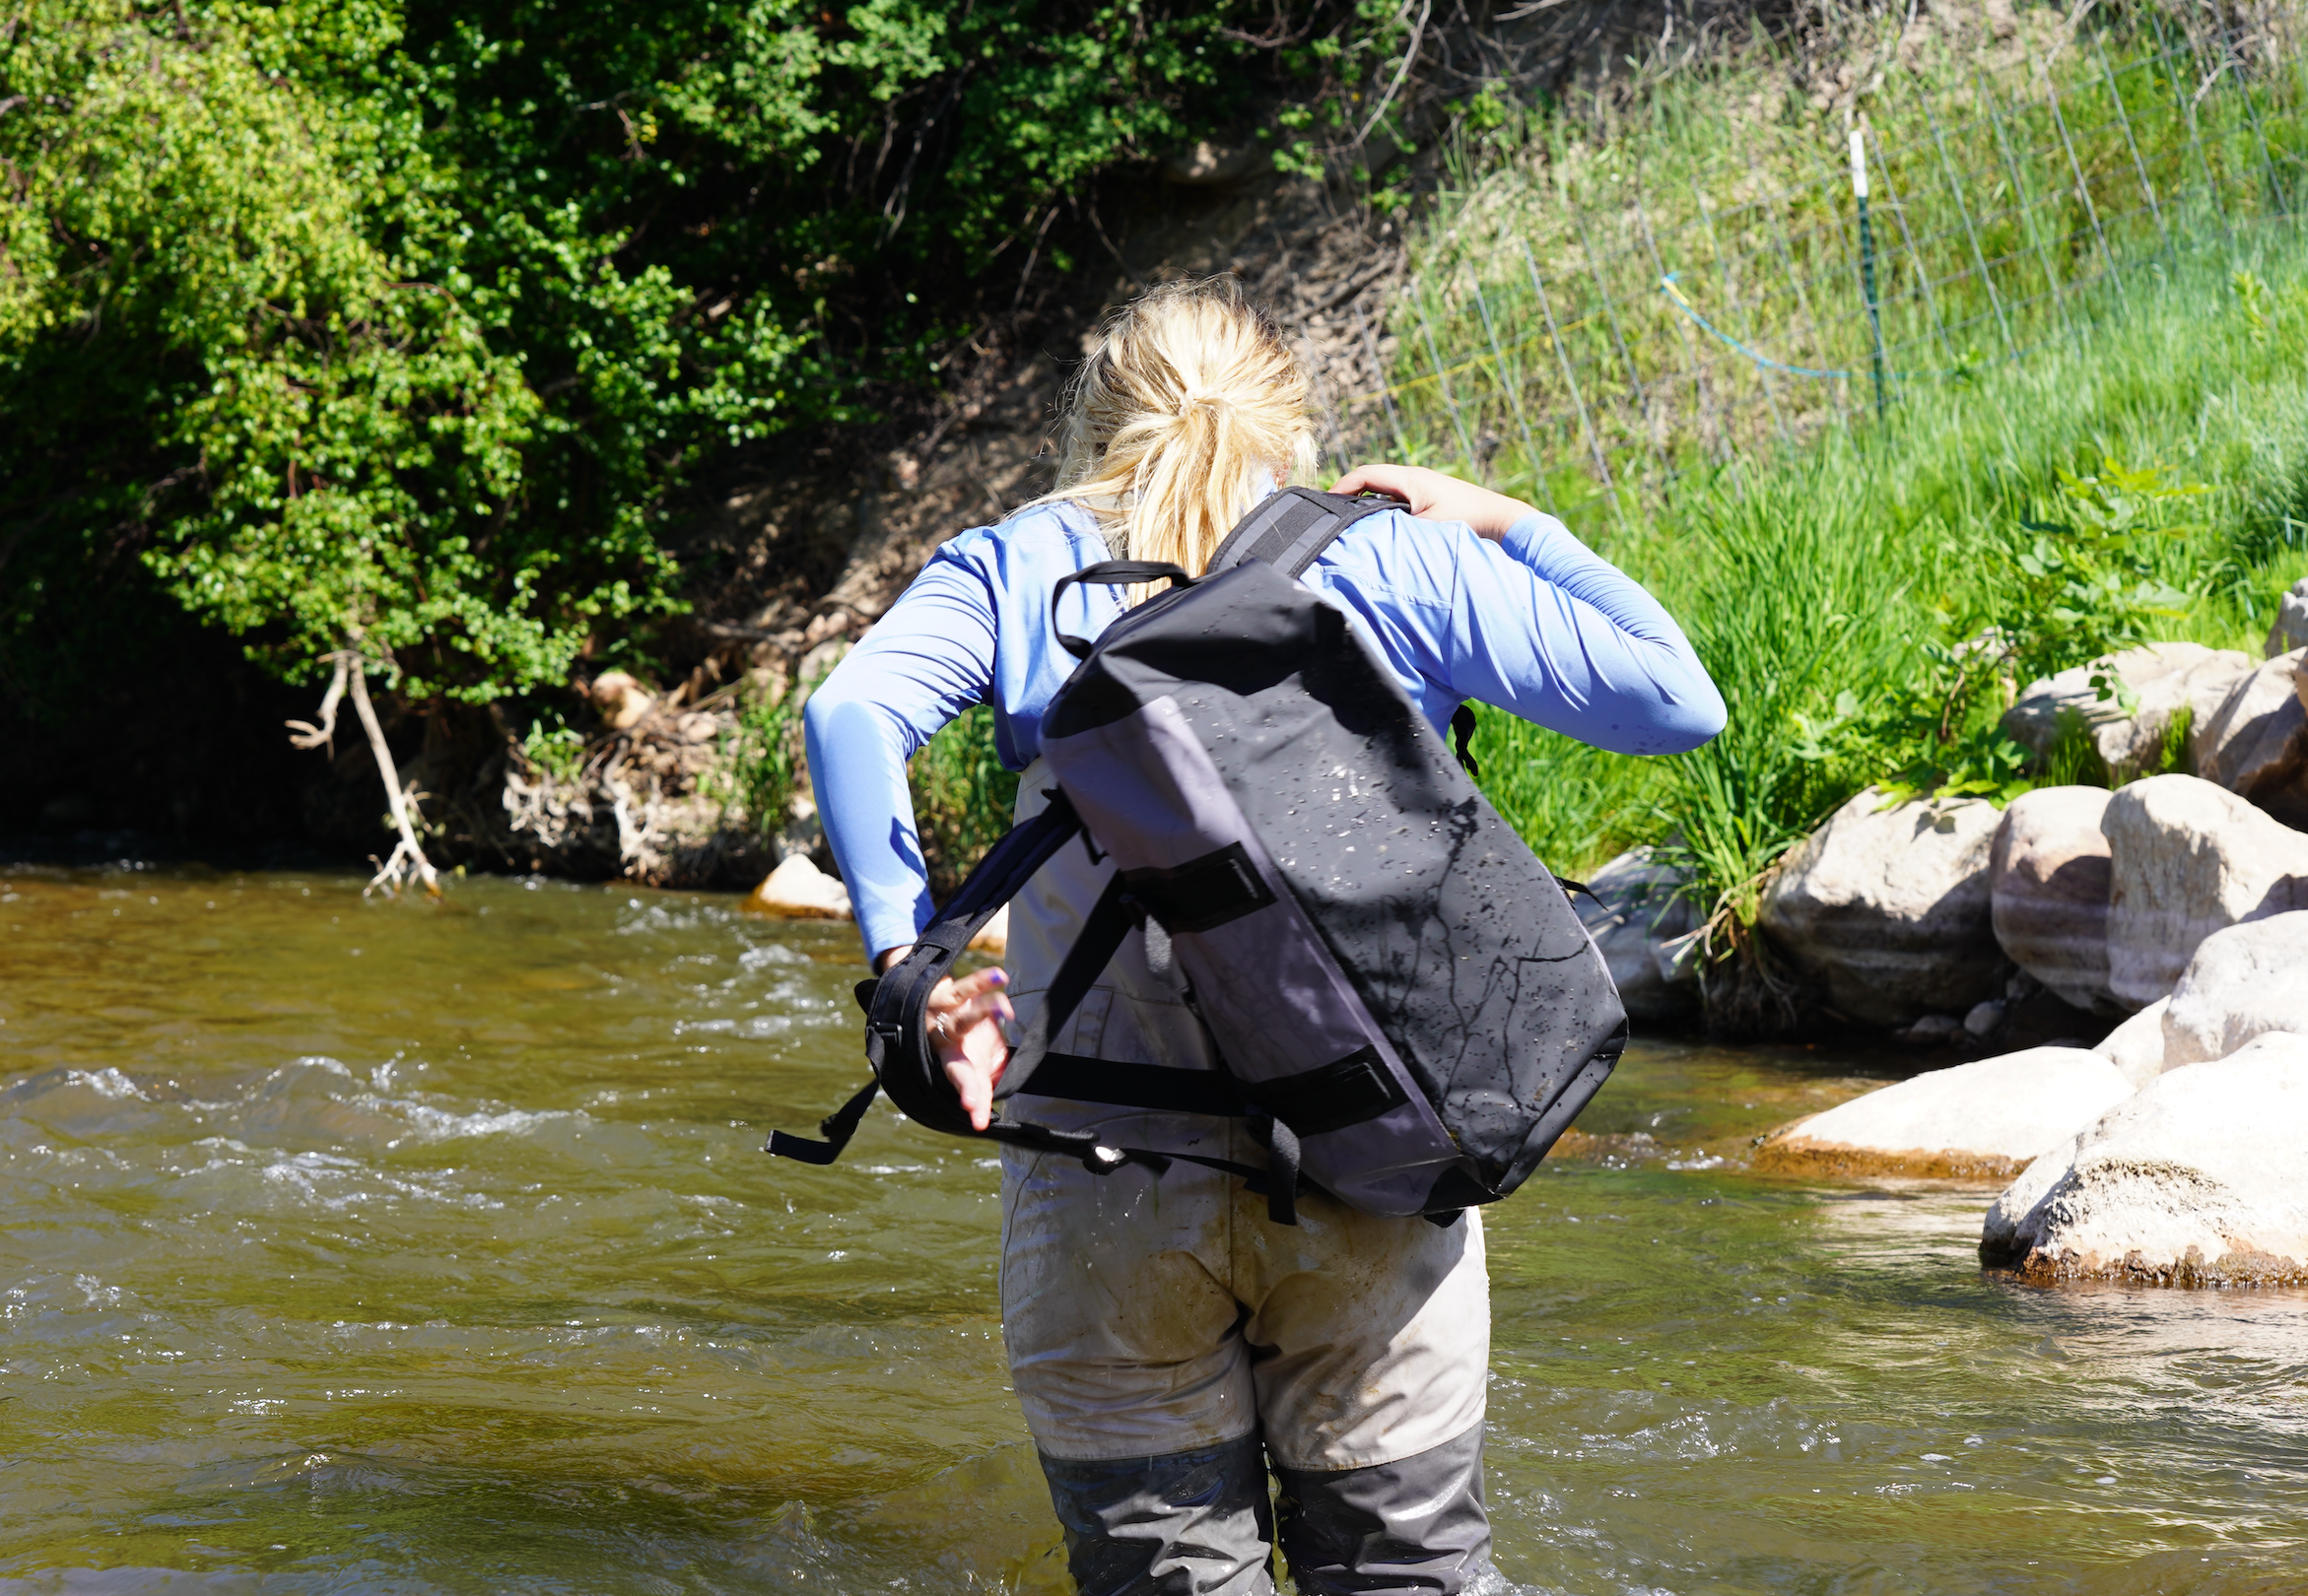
762,762
963,798
556,748
398,325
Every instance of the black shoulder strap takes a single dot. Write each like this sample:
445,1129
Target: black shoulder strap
897,1040
1290,529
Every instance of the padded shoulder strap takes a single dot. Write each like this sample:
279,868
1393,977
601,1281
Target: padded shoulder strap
1290,529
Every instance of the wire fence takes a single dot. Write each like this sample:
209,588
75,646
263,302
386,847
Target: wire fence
1589,323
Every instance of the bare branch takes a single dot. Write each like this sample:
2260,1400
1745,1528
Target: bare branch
408,859
304,734
1409,56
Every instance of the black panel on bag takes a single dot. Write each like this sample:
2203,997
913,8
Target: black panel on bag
1343,1093
1201,892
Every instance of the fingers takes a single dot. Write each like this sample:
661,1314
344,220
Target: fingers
965,1024
1433,495
1391,480
956,1006
974,1084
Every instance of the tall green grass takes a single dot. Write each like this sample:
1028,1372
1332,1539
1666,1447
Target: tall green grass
1549,337
1850,570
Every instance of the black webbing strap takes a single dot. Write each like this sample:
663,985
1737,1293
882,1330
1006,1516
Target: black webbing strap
1111,574
1102,932
1153,1087
1463,733
1289,530
896,1042
836,1128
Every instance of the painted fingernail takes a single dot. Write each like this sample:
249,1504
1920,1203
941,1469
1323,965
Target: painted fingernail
998,977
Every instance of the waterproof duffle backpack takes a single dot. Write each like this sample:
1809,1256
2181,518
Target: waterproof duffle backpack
1407,1011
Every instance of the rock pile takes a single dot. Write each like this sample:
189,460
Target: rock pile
2175,1151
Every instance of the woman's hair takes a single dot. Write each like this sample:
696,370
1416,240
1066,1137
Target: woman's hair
1190,398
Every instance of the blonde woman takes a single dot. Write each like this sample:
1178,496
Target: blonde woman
1168,1342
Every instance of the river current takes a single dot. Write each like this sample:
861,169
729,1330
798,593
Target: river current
353,1245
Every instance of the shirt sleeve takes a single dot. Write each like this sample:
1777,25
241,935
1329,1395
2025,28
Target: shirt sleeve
928,660
1547,630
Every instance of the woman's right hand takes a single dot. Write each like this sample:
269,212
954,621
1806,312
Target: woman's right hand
1433,495
965,1019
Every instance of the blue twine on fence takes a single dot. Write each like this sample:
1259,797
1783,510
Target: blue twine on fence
1667,286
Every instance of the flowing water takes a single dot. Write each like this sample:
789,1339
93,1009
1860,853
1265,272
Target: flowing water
365,1245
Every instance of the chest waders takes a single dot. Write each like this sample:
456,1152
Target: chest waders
1406,1010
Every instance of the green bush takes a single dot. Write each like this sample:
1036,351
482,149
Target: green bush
396,326
963,798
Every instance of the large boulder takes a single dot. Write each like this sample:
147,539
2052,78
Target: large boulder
2048,891
2243,982
2161,678
1644,927
1985,1120
2256,743
1886,908
2199,1178
2187,859
2290,630
2136,1046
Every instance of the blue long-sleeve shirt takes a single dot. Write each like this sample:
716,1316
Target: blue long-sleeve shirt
1538,625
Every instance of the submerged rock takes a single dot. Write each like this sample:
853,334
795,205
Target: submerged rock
2162,677
1643,930
2243,982
2187,859
2048,891
2256,743
2201,1178
1887,910
2136,1046
1985,1120
798,891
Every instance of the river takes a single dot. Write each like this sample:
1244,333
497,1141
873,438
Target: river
353,1245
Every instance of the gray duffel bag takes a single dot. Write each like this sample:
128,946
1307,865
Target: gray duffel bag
1408,1012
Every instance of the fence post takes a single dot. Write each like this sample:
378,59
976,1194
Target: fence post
1819,353
1385,395
1577,399
2115,93
2075,169
1513,388
2276,193
1443,382
1971,233
1858,189
1986,93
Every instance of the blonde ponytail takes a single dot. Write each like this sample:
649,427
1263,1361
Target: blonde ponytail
1190,405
